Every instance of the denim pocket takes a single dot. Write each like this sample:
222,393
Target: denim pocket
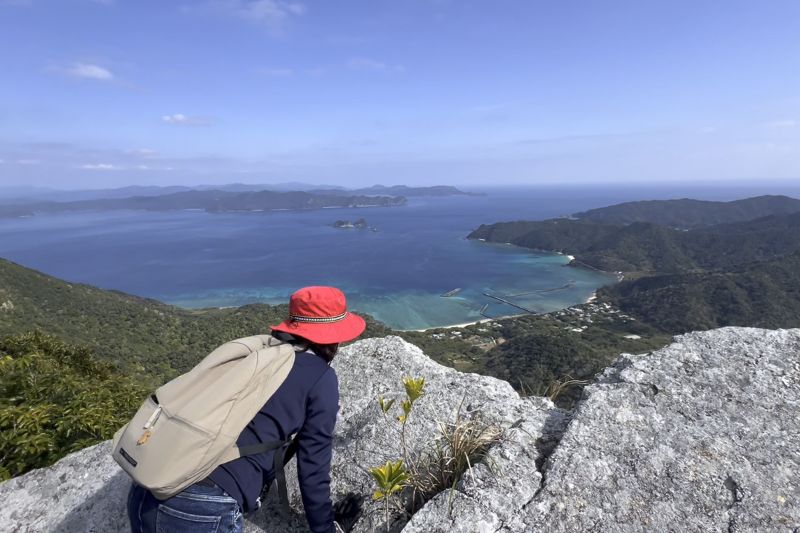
169,520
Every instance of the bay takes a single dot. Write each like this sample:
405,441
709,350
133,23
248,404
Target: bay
397,273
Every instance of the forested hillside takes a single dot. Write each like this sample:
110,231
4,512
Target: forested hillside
646,247
687,213
744,273
76,361
139,335
764,294
57,398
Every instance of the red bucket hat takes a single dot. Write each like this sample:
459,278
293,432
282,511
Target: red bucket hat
320,315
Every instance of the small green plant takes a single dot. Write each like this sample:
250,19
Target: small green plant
390,478
393,477
418,476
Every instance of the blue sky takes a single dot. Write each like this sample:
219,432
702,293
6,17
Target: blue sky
105,93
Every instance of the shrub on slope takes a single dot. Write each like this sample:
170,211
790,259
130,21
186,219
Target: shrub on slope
56,398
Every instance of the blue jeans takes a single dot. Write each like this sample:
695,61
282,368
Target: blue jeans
197,509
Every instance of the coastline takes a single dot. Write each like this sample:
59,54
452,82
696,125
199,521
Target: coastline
466,324
592,297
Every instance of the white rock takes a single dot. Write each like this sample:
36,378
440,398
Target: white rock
703,435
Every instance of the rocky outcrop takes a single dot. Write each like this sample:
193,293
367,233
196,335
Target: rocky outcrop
703,435
86,491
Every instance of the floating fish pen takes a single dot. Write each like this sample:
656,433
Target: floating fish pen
512,304
451,293
566,286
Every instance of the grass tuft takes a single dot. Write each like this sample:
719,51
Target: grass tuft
459,446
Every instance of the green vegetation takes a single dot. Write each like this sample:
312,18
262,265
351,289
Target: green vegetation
140,336
103,352
647,248
56,398
765,294
390,478
687,213
418,476
534,352
736,274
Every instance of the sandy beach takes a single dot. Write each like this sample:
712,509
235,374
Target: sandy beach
465,324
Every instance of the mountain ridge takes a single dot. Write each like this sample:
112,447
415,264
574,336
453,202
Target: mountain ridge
737,273
35,195
686,213
212,201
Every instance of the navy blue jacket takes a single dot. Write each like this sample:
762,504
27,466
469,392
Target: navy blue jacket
306,404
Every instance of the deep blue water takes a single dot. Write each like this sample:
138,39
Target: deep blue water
196,259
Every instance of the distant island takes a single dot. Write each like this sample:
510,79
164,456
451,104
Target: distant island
719,268
225,199
361,223
213,201
399,190
34,195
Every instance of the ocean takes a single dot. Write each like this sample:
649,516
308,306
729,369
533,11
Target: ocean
397,273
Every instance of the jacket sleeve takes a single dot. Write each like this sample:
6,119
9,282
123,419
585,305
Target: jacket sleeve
314,447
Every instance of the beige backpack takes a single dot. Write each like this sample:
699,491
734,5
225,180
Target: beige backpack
190,425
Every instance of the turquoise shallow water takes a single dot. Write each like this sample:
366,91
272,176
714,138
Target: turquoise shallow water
396,273
539,282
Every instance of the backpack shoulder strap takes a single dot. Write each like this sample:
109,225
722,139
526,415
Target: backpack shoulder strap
279,461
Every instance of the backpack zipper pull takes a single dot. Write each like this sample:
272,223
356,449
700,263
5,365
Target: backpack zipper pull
144,438
148,425
152,420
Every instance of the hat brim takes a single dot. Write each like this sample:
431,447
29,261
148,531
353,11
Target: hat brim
347,329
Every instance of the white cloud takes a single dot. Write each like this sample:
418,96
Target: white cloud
372,65
489,108
276,72
271,13
99,166
179,119
144,153
782,123
89,71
